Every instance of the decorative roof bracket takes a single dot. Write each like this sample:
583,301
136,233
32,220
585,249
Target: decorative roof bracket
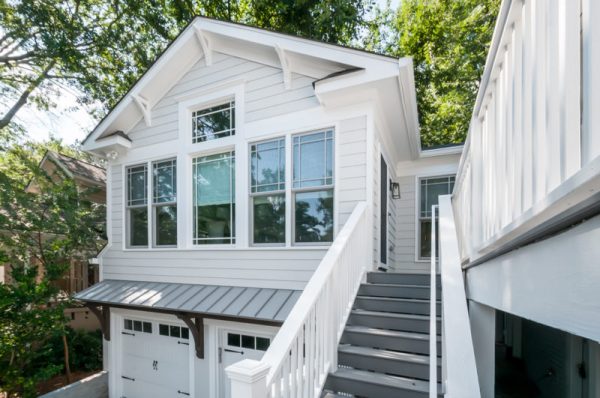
205,44
285,66
144,106
102,312
196,325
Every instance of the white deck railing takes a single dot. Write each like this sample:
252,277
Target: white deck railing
433,369
304,350
459,371
534,140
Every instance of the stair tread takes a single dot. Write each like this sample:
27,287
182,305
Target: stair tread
417,359
400,315
388,332
366,377
410,300
396,285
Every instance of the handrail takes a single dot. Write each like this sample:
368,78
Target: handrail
433,309
533,130
304,350
459,370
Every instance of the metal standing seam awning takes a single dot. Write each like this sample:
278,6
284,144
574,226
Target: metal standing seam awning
191,303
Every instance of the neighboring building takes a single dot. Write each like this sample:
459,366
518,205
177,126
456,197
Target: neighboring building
233,164
82,273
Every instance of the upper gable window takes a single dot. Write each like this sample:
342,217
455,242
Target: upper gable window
217,121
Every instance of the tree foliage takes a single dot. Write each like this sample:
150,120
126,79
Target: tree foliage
40,234
101,48
448,41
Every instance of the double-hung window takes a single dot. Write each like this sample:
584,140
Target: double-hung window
430,188
163,216
164,202
214,122
312,187
213,179
267,191
137,206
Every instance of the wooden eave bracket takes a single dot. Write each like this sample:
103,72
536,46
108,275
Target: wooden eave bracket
285,67
196,326
205,44
144,107
102,312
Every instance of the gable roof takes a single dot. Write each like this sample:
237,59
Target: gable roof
324,62
75,168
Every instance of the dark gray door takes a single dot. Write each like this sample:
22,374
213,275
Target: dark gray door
383,218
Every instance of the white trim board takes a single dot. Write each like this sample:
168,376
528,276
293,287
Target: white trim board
552,282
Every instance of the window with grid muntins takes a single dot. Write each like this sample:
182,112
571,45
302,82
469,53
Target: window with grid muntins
430,189
267,191
164,202
137,202
312,186
214,122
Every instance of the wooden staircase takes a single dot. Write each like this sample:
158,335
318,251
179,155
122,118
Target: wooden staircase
384,350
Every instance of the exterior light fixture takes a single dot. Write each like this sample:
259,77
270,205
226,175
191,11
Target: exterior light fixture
395,188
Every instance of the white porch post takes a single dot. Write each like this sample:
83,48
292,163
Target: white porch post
248,379
483,330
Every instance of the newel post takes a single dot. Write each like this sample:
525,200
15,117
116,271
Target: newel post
248,379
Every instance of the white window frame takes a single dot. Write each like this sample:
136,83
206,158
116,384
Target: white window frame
418,218
149,163
235,236
253,195
127,207
294,191
156,205
232,121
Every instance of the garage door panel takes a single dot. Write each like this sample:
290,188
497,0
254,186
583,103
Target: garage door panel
158,365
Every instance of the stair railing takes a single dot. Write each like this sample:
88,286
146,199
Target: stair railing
304,350
459,370
433,376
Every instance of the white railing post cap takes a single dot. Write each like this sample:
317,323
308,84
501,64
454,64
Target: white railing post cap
247,371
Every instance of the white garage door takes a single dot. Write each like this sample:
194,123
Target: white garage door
155,359
235,346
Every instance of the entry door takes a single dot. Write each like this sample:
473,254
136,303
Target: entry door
235,346
155,360
383,218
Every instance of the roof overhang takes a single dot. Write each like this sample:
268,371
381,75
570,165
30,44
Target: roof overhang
203,36
191,303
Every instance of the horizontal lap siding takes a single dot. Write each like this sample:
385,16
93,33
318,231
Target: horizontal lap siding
265,95
352,168
406,228
285,268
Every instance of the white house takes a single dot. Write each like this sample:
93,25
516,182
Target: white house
259,184
253,179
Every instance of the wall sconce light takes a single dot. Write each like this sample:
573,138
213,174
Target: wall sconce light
395,188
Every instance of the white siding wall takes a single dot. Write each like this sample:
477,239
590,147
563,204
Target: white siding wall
265,97
406,242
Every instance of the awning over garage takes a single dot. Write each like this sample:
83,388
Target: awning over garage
190,302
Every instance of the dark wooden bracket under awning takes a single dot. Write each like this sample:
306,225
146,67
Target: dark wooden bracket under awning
102,312
196,325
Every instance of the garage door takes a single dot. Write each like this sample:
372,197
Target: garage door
235,346
155,359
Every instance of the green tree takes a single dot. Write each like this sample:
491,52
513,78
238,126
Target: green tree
39,236
448,41
101,48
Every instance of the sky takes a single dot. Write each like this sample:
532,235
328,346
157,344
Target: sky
69,120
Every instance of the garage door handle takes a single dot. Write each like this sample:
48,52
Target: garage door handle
180,342
129,334
183,393
237,352
128,378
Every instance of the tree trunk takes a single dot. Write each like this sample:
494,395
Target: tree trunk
67,366
7,118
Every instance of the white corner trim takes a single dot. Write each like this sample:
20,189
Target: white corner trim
205,44
144,107
285,66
